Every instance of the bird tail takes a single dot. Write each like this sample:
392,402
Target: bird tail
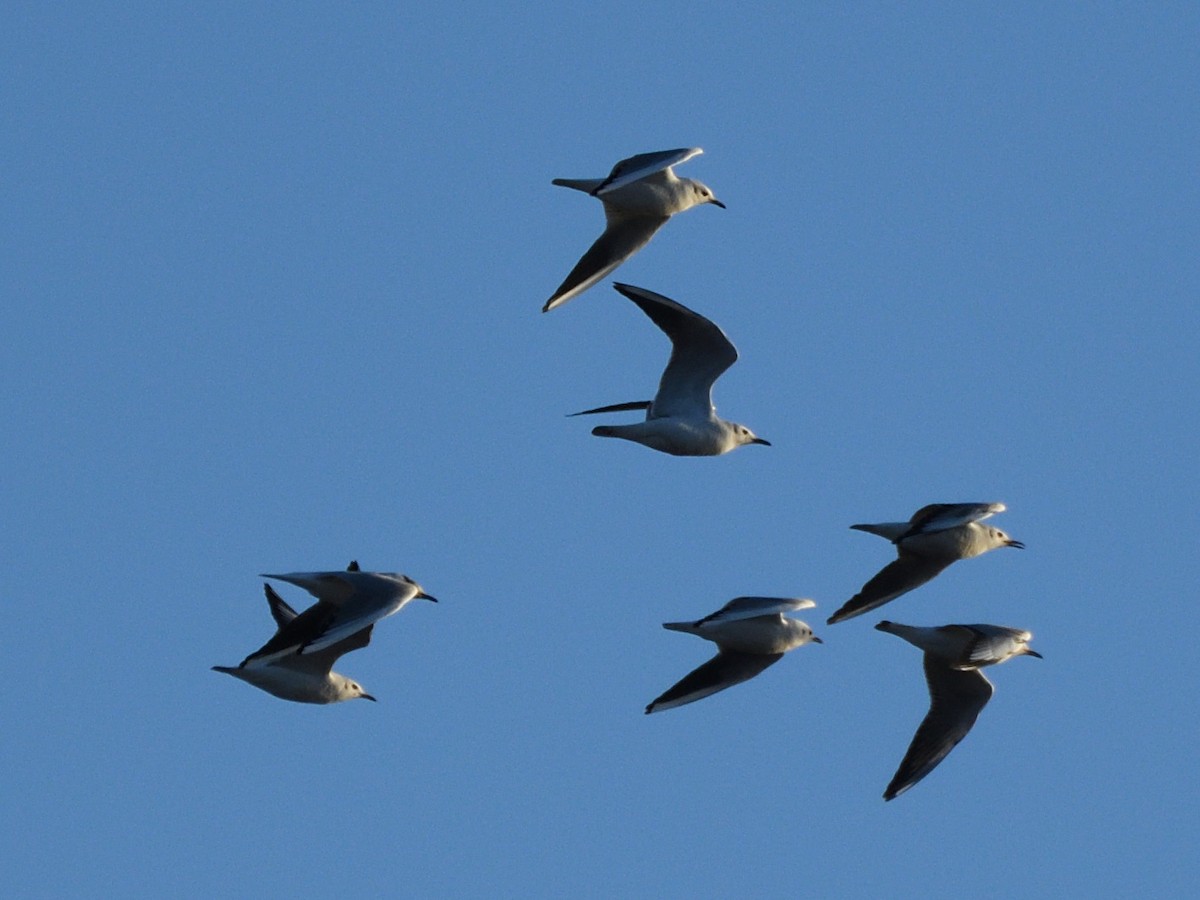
587,185
685,627
890,530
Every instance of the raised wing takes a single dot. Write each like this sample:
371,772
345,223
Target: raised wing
638,167
956,699
893,580
724,670
281,611
700,353
942,516
753,607
623,237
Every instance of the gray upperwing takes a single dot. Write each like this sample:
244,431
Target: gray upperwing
724,670
623,237
956,699
942,516
641,165
899,577
753,607
700,352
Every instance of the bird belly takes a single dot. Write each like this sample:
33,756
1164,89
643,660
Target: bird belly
675,436
648,197
753,635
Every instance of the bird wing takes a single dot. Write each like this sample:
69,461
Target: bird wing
347,603
281,611
322,661
942,516
753,607
956,698
623,236
638,167
991,644
899,577
295,634
724,670
700,353
328,587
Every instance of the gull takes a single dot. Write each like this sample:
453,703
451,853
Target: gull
958,691
639,195
681,419
296,663
751,633
934,537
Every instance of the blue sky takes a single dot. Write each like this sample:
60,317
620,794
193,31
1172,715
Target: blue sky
273,279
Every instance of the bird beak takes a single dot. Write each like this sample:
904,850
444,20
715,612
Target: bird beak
715,202
1029,652
425,596
817,640
1016,544
367,697
759,440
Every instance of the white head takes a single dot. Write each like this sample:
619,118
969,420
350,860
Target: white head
346,689
998,538
403,585
1023,640
702,194
743,435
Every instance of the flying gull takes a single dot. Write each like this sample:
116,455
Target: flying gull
751,633
296,663
958,691
681,419
639,195
931,540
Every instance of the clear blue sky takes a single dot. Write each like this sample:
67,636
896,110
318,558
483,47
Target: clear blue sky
272,280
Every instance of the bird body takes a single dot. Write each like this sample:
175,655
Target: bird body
301,685
763,634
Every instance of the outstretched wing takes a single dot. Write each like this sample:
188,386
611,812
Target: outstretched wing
899,577
724,670
956,699
623,237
